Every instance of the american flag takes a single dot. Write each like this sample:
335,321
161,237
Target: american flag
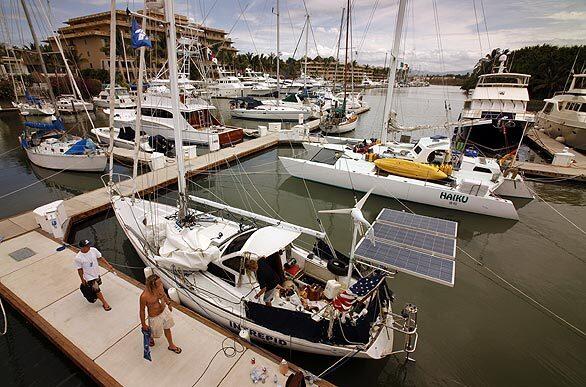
344,301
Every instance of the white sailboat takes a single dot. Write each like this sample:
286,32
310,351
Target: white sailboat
271,110
47,145
68,103
202,256
122,100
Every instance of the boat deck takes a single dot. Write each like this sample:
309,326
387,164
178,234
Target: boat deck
544,143
41,283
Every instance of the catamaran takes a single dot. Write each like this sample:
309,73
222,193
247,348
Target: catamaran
332,305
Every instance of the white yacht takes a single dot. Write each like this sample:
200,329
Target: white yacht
564,115
495,117
67,103
34,109
47,146
199,125
269,110
228,86
260,85
122,100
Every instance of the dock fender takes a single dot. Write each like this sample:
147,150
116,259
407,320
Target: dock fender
174,295
147,272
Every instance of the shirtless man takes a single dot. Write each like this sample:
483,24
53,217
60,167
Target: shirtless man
158,306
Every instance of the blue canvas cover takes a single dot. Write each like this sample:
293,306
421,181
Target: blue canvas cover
81,147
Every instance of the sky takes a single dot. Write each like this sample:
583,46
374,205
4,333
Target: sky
439,35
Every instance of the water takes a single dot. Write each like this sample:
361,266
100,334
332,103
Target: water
481,332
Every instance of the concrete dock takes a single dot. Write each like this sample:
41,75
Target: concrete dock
549,146
41,283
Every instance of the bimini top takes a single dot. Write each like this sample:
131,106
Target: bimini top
269,240
418,245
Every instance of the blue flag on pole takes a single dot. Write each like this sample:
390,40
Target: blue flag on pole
139,38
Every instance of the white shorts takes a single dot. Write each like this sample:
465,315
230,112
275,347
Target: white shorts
269,295
161,322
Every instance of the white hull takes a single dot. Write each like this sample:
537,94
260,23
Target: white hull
342,128
80,163
269,114
103,136
188,135
117,105
230,93
229,315
33,110
77,107
402,188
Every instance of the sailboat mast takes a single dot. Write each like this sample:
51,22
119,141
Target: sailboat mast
138,125
306,47
392,69
177,124
346,55
112,95
338,50
278,55
40,54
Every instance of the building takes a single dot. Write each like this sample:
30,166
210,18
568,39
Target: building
11,65
326,68
86,39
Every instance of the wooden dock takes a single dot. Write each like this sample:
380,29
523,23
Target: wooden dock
42,284
547,145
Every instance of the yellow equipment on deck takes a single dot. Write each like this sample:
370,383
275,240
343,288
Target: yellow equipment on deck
411,169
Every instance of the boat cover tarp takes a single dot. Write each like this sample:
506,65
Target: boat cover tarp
54,125
82,147
189,249
32,99
249,102
269,240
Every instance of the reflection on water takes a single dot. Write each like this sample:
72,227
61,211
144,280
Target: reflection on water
481,332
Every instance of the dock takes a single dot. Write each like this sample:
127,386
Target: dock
42,284
548,146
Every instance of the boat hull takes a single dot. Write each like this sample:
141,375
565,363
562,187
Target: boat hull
491,139
345,127
79,163
402,188
574,135
268,115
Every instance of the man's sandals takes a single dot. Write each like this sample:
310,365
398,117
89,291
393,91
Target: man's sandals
177,350
107,309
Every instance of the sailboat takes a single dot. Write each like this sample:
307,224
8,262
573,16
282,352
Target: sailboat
424,173
203,257
338,119
249,108
48,145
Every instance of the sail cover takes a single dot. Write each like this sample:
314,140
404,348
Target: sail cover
269,240
187,249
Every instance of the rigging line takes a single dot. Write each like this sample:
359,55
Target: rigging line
478,29
367,28
5,319
485,25
209,11
559,213
248,28
561,319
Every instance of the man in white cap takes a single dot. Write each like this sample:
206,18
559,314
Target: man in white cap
86,263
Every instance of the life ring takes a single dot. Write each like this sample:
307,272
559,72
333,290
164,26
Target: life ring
337,267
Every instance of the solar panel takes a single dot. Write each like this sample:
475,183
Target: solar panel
428,243
419,222
437,269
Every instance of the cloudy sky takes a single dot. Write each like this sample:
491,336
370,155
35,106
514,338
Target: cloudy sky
463,33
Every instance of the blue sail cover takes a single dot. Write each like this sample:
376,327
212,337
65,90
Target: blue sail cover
56,124
80,147
32,99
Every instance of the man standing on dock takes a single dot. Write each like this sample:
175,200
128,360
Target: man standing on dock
86,263
158,306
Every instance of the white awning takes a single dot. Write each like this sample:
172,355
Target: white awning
269,240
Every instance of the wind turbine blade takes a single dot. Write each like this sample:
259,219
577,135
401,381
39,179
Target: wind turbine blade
339,211
363,200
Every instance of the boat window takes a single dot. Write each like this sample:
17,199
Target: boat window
417,149
548,107
326,156
467,104
233,263
482,169
577,106
158,113
237,243
583,108
221,273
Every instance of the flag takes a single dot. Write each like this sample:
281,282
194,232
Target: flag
138,37
363,287
146,343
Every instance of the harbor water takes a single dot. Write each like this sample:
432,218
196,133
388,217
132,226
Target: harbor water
516,315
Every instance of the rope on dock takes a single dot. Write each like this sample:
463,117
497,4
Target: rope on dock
229,350
5,319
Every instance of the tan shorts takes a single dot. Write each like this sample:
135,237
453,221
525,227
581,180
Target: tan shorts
161,322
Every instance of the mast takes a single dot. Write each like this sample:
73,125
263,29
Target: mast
40,54
392,69
112,85
177,124
346,55
278,56
138,125
306,46
338,50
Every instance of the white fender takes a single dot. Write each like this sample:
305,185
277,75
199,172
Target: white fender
174,296
147,272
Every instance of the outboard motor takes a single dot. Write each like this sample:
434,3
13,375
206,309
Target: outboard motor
160,144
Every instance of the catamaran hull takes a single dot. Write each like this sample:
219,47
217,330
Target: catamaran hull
230,317
400,188
79,163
